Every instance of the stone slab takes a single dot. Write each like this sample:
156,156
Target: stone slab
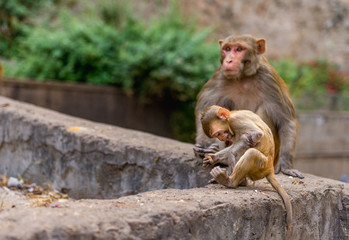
320,211
89,159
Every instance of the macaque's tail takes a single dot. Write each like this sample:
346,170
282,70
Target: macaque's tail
271,178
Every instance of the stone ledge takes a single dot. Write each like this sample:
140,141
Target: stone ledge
91,160
320,211
100,161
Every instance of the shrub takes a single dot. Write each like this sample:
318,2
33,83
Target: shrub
168,60
162,59
77,52
14,19
310,81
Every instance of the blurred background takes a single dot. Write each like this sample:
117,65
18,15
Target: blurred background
140,64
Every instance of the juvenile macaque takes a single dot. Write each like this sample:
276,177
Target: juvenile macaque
246,81
251,153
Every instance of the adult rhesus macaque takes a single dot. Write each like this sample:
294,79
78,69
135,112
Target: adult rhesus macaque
246,81
251,154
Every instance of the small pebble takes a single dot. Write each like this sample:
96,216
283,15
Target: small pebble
14,182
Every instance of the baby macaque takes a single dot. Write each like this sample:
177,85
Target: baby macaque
251,151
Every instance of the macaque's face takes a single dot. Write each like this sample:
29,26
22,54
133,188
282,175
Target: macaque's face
232,57
221,131
222,135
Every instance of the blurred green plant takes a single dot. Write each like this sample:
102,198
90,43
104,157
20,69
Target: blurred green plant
161,59
310,81
76,51
165,59
15,18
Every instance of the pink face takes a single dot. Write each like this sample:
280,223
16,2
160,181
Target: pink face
233,54
222,135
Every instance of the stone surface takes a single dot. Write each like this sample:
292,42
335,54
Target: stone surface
320,140
90,160
320,211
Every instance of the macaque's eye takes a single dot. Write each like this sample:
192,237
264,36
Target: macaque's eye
217,134
227,48
239,49
246,61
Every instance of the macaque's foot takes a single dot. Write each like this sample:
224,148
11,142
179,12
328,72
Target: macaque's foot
209,160
288,171
220,175
243,182
200,150
212,181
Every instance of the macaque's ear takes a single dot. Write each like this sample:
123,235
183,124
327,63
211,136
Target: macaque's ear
223,113
220,43
260,46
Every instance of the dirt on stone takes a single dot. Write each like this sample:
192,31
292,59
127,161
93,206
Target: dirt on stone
14,192
212,212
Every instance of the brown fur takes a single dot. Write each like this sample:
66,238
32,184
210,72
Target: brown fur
252,152
257,88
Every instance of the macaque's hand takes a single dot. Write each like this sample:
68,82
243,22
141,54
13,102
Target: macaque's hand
200,150
209,160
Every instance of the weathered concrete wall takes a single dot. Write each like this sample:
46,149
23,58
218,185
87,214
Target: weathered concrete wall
320,211
322,146
101,161
303,30
96,103
91,160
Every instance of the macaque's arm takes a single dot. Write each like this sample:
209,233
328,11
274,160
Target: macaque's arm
230,155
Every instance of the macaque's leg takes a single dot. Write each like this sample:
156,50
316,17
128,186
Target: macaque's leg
225,156
288,133
251,159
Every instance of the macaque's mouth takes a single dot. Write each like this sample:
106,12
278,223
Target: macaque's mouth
231,71
228,143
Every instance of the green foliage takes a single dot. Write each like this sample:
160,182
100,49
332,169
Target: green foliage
167,61
164,59
161,59
76,51
309,81
14,19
